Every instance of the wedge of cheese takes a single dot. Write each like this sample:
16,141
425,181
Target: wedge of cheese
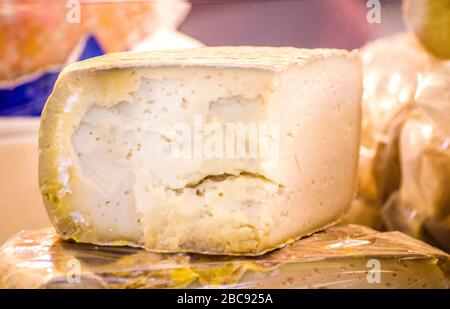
225,150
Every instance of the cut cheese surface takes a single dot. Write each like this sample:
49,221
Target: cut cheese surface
222,150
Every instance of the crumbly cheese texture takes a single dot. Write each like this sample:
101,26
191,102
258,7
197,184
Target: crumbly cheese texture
108,174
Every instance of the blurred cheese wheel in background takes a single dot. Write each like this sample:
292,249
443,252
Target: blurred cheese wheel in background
35,36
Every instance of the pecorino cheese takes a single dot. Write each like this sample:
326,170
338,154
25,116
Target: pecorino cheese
220,150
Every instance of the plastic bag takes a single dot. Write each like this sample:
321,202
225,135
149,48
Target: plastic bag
404,156
341,257
422,205
391,66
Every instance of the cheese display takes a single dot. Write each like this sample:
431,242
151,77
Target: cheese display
341,257
219,150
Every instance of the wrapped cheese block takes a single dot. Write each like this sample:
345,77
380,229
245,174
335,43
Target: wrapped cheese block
422,206
404,156
341,257
391,66
226,150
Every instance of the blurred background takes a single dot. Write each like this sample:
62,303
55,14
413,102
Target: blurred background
299,23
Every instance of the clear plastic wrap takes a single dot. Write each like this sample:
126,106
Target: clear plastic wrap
422,205
341,257
391,66
405,154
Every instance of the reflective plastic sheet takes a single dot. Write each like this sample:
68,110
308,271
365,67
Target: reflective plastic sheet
341,257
